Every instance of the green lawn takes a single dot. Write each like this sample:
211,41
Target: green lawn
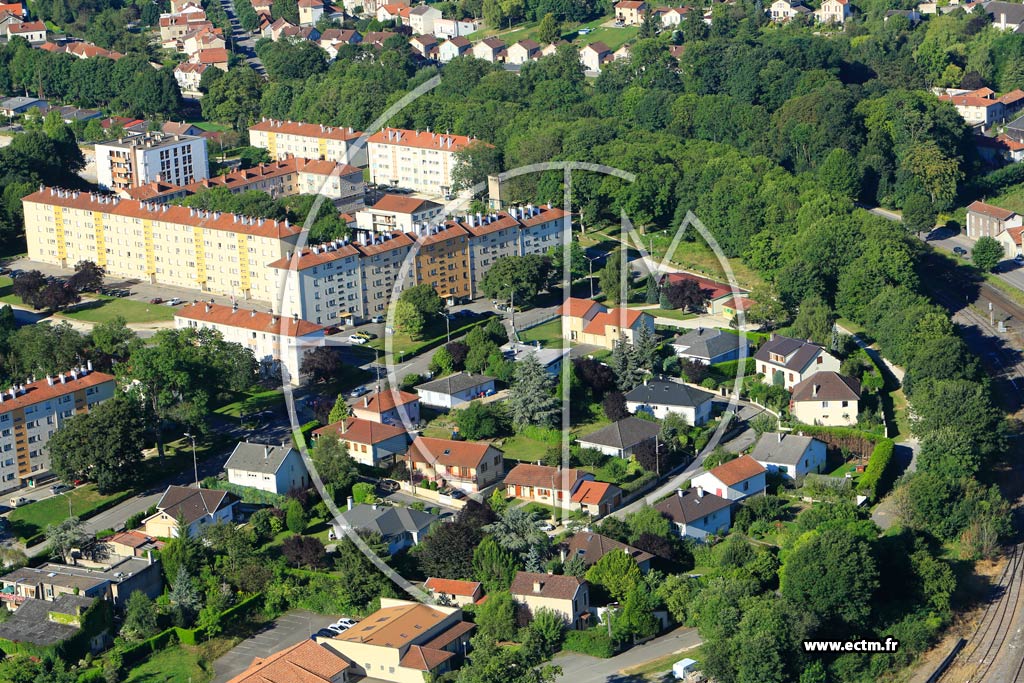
674,314
182,664
613,37
523,448
7,291
699,257
548,334
436,333
253,401
105,308
35,517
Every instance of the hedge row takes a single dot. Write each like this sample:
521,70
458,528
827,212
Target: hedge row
594,642
247,494
850,438
878,476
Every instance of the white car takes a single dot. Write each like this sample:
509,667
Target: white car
345,623
546,526
355,339
359,391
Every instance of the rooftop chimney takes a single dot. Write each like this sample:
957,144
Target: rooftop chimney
700,491
680,492
537,585
814,390
349,502
266,452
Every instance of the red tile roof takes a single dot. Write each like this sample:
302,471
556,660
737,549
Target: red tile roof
309,130
306,662
542,476
214,55
424,658
991,211
423,139
447,452
553,586
452,586
577,308
385,400
620,317
360,431
42,390
258,321
182,215
27,27
398,204
593,492
735,471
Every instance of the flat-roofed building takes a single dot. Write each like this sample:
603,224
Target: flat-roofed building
206,251
308,140
278,342
139,159
31,413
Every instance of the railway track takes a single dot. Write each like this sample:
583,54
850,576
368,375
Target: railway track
994,627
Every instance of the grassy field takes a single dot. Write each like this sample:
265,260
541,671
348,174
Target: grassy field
182,664
33,518
250,402
7,291
436,332
548,334
613,37
523,448
673,314
105,308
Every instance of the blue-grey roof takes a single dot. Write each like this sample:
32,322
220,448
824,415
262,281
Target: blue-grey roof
782,449
666,393
257,457
707,343
387,521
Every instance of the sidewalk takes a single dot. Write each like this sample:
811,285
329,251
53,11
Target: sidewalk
579,668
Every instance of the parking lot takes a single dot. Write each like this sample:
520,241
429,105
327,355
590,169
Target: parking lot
287,630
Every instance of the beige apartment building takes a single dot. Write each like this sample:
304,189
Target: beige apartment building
417,160
207,251
308,141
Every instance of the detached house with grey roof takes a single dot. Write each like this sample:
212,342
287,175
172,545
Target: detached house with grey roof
276,469
454,390
660,397
696,514
709,346
198,508
622,438
785,362
400,528
791,455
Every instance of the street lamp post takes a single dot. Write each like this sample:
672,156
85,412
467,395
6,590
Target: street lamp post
70,515
195,463
447,325
590,264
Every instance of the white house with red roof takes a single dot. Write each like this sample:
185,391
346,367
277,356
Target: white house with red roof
391,406
277,342
630,12
982,106
597,498
454,592
833,11
592,323
368,442
734,480
553,486
988,220
1011,241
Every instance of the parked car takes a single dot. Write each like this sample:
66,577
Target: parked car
60,488
332,329
377,319
357,339
156,300
959,251
18,501
324,633
344,624
359,391
546,526
173,302
389,485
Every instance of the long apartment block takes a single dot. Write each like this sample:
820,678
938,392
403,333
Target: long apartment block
308,141
347,281
31,413
418,160
208,251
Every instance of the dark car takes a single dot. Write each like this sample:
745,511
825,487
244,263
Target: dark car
959,251
389,485
156,300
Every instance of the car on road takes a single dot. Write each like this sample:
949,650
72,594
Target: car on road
959,251
172,302
60,488
359,391
18,501
377,319
546,526
388,485
156,300
357,339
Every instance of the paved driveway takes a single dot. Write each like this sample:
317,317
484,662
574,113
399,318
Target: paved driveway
287,630
584,669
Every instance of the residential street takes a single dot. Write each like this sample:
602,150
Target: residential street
241,41
577,668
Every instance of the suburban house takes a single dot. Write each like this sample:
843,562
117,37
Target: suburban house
591,547
589,322
490,50
39,624
671,17
447,29
785,10
1006,16
630,12
275,469
454,592
400,527
567,596
987,220
710,346
368,442
132,543
454,390
537,482
720,296
833,11
549,358
659,397
981,107
791,455
197,507
1011,241
524,51
425,46
15,106
786,362
402,642
455,47
597,498
737,479
696,514
422,18
621,438
826,398
1000,149
595,55
114,579
307,661
310,12
461,464
390,406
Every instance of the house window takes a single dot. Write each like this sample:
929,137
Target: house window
846,403
824,404
820,360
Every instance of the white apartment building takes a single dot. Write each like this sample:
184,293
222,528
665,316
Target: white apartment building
395,212
517,232
206,251
308,141
323,284
31,413
278,343
147,157
419,160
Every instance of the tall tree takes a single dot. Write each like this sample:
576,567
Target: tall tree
612,280
493,566
65,536
987,253
531,399
104,445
